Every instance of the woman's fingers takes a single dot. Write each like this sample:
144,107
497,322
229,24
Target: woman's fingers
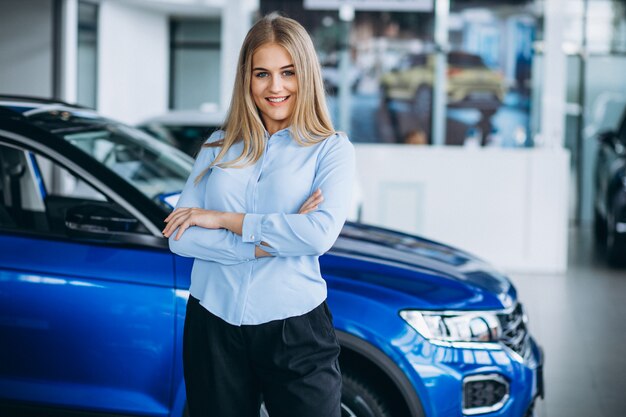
310,206
309,210
181,229
184,218
312,202
175,213
175,219
171,219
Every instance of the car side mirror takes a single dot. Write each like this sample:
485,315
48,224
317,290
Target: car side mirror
98,218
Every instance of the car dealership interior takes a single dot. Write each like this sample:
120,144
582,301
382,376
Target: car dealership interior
482,270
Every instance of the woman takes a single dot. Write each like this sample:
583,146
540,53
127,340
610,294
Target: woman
266,197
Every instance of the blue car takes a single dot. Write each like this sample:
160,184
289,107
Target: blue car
92,302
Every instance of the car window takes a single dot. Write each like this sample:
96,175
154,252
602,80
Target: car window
149,165
38,195
145,167
187,138
61,183
461,60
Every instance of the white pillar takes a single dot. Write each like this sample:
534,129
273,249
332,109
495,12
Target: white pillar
554,70
346,16
438,128
237,18
69,51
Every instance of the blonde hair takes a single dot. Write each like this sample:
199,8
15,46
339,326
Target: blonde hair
310,121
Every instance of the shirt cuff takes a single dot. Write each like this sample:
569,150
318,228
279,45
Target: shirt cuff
251,228
247,251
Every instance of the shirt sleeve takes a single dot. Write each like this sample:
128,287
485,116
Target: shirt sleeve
313,233
217,245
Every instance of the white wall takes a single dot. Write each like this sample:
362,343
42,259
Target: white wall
133,53
508,206
26,47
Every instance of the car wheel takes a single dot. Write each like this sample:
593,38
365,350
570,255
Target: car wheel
615,243
358,399
262,412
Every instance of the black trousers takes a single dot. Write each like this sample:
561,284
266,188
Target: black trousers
291,364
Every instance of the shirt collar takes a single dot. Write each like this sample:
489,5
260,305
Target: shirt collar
282,132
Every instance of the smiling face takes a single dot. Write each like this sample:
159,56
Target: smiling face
274,86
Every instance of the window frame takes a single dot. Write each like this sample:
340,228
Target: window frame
153,239
179,45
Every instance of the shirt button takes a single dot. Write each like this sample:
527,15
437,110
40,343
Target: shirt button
252,237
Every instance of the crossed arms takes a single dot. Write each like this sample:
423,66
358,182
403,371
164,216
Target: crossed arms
231,238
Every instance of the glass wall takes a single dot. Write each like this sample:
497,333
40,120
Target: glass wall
603,84
489,73
391,76
594,41
87,54
194,63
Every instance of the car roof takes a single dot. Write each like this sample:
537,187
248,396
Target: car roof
30,102
187,118
17,129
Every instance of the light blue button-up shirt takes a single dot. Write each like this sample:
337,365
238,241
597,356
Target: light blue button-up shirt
226,277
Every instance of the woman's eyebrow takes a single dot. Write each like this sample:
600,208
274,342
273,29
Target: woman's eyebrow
264,69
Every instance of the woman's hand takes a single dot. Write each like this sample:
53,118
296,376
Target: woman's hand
182,218
312,202
260,253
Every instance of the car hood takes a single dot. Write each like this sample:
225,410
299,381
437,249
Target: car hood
440,275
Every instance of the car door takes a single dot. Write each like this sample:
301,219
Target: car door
86,309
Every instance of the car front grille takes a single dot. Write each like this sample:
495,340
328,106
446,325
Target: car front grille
514,331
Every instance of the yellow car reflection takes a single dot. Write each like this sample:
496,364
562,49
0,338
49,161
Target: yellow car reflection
470,82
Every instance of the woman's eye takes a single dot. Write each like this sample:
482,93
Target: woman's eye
288,73
261,74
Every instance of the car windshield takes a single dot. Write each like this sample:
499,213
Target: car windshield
461,60
154,168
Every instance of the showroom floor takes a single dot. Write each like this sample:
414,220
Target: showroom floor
580,320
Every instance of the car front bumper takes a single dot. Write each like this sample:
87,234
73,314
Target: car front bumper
440,375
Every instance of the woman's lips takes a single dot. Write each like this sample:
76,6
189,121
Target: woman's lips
277,101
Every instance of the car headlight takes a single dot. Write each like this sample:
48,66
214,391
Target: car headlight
450,327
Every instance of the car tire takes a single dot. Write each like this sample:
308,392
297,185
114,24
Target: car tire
262,412
358,399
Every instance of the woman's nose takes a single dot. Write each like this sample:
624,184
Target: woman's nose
276,84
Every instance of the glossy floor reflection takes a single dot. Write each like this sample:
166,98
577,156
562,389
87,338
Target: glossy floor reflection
580,320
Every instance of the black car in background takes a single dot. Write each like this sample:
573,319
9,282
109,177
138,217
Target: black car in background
184,129
610,197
